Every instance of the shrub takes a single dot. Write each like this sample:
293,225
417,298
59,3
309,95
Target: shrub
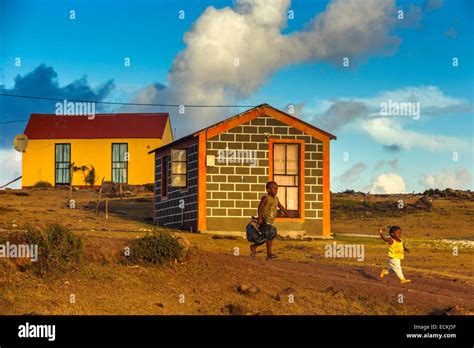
3,238
42,184
150,187
88,173
91,177
58,248
156,248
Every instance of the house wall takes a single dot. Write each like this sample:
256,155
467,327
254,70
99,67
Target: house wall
38,159
167,210
233,191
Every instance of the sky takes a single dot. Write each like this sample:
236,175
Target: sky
345,66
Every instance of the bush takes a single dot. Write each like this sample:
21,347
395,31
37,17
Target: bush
156,248
150,187
58,248
42,184
3,238
91,177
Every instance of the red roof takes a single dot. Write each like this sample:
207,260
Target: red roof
138,125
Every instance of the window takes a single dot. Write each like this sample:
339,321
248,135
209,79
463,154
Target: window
286,173
178,168
164,176
120,162
62,164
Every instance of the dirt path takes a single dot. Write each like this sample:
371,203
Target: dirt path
212,278
210,281
424,294
424,290
302,281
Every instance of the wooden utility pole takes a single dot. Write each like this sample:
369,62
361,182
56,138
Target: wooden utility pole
98,197
71,175
106,207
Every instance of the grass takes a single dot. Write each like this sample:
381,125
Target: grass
209,277
58,248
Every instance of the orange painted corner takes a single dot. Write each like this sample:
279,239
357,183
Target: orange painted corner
202,216
326,191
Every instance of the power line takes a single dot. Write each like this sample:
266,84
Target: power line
16,121
122,103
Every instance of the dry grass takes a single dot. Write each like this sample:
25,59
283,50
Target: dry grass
209,278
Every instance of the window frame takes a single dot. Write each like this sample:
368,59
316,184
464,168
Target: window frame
112,163
301,172
56,162
185,166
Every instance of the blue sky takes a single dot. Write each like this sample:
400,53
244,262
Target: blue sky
409,61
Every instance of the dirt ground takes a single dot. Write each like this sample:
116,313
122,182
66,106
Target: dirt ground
219,277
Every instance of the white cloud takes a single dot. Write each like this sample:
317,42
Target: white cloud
334,114
389,132
231,52
10,162
459,178
431,98
251,32
389,183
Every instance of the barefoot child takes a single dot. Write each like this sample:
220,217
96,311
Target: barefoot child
267,210
395,253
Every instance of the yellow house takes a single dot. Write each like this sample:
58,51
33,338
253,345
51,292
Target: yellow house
115,145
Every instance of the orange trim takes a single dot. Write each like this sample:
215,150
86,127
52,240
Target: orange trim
234,122
265,110
301,207
296,124
201,222
326,191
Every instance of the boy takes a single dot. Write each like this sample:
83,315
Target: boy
395,253
267,210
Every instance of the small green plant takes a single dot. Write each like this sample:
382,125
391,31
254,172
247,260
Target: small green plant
88,174
156,248
42,184
91,177
58,248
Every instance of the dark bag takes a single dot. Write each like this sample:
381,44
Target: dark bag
260,233
268,231
253,231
